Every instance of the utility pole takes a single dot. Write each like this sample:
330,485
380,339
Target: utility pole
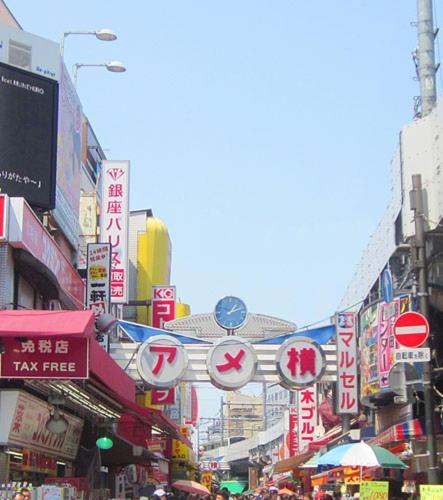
426,56
222,423
265,406
416,200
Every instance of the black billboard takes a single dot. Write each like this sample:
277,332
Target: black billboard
28,136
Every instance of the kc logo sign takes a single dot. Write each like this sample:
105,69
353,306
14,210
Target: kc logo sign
162,361
163,305
231,363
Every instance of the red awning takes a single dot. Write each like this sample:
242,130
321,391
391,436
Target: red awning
35,323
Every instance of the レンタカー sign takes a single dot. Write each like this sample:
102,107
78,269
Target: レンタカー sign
374,490
347,388
231,363
161,361
163,305
300,362
411,329
114,224
45,358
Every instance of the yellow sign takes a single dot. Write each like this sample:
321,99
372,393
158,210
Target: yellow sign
374,490
431,491
179,450
206,479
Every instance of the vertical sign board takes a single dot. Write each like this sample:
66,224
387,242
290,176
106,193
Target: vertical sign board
347,389
98,283
163,305
292,437
4,217
307,416
114,222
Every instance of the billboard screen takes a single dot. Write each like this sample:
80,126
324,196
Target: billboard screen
28,136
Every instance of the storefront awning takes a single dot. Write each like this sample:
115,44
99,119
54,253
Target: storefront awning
292,462
400,432
46,323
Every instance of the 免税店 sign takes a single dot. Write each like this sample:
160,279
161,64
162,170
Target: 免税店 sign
45,358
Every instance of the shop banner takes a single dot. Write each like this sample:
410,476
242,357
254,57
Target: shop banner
307,416
347,385
98,278
45,358
431,492
24,419
114,224
163,305
374,490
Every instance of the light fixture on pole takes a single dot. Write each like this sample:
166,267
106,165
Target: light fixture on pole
56,423
113,67
104,34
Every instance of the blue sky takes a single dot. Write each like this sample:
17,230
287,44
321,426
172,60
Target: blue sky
259,131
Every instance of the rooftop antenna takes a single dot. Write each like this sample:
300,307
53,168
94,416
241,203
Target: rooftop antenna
424,56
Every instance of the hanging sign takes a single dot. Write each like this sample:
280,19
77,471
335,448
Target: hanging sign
98,293
231,363
307,416
300,362
161,361
347,389
163,305
114,224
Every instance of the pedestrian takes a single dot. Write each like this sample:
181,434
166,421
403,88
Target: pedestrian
18,495
26,493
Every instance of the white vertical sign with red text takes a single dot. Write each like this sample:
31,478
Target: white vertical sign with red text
163,305
292,436
307,416
347,389
114,224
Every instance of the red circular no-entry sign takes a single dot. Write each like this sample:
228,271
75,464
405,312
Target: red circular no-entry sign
411,329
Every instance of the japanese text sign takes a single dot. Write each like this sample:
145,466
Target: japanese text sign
45,358
347,380
27,427
431,491
114,224
163,305
161,361
231,363
374,490
307,416
163,396
300,362
98,278
292,436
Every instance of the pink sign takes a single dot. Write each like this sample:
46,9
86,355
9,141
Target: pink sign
163,305
386,341
29,234
114,224
45,358
347,388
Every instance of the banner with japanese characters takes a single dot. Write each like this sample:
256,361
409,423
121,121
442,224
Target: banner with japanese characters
347,381
114,222
307,416
98,278
45,358
292,436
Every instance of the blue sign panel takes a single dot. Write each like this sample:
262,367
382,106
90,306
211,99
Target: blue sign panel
386,286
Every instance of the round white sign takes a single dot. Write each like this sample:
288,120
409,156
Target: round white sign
231,363
300,362
161,361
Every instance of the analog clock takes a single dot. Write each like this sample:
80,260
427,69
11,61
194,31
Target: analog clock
230,312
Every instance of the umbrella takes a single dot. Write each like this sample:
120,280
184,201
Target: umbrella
191,487
363,455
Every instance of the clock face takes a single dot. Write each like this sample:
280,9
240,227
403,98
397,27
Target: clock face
230,312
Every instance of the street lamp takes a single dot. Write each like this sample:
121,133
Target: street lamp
104,34
113,66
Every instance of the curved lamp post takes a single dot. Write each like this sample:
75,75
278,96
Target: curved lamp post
113,67
104,34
